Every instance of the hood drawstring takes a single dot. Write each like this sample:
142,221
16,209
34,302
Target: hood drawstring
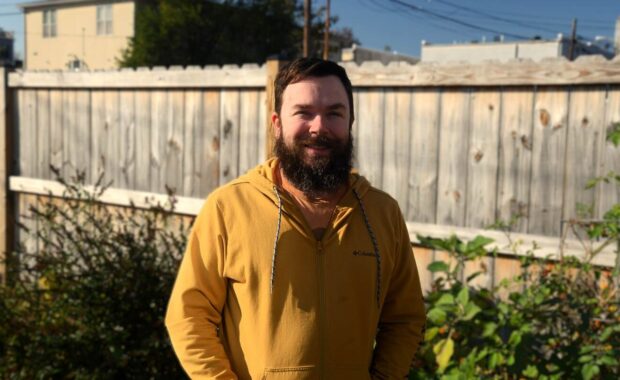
375,245
275,242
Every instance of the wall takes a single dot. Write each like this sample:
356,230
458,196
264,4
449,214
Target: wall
76,28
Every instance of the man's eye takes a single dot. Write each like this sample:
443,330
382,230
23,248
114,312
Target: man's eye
335,114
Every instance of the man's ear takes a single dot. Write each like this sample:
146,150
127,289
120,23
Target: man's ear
277,125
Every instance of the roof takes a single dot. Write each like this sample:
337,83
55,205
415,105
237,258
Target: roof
48,3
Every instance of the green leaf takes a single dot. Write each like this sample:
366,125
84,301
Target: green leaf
494,360
463,297
445,299
606,334
430,333
437,316
530,371
471,310
478,242
438,266
515,338
608,360
589,370
586,359
489,329
443,353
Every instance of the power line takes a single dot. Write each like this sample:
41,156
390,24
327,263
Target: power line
456,21
494,17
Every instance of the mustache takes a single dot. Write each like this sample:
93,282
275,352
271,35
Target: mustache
320,141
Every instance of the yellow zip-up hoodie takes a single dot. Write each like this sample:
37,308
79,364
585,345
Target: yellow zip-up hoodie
259,297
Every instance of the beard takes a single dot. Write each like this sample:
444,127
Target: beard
315,175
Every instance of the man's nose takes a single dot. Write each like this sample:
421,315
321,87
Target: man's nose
318,125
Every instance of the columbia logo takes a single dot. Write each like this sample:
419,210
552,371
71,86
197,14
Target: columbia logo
362,253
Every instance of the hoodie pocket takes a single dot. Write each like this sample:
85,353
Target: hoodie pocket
306,372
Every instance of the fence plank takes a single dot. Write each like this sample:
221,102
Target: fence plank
7,203
157,128
210,160
56,127
506,268
248,130
585,129
43,134
69,119
193,135
423,257
370,135
609,193
229,136
453,147
424,155
548,156
28,133
127,172
80,152
397,122
482,159
174,147
112,133
263,122
98,136
143,140
515,158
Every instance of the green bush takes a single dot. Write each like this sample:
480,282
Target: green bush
556,320
90,303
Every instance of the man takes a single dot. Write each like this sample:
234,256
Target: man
299,269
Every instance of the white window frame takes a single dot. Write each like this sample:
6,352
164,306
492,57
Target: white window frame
49,23
104,19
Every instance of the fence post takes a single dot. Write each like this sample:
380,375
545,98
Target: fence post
7,222
273,66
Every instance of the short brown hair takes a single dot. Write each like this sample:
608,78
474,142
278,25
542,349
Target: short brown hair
303,68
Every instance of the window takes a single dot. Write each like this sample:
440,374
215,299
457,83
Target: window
104,19
49,23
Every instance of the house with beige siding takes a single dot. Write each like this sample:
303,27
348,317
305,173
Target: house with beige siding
76,34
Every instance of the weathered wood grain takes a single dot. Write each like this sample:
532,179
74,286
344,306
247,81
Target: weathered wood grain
56,128
370,135
112,133
192,137
586,128
143,140
548,160
43,135
99,140
423,257
226,77
506,268
211,146
69,120
127,173
80,149
515,158
608,194
453,154
173,127
248,130
396,131
27,100
229,135
482,159
422,192
158,126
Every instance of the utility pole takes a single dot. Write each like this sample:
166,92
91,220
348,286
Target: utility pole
573,41
307,15
326,32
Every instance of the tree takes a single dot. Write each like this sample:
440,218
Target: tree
199,32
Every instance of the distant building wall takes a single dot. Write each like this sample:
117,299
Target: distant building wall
360,54
76,36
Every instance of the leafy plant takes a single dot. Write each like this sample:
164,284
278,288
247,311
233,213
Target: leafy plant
87,301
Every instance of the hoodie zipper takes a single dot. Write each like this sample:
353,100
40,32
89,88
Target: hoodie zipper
322,312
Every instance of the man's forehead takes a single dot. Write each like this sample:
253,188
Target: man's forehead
328,88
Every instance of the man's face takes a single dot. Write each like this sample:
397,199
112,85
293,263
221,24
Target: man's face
312,132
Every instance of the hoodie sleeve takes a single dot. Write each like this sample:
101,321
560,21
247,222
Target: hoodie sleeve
402,317
198,297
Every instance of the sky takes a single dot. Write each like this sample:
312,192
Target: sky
403,24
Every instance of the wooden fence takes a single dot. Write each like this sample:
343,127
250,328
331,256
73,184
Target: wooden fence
457,145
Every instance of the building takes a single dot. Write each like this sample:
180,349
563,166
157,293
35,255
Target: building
76,34
476,52
359,54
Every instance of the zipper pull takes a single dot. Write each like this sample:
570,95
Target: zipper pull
319,247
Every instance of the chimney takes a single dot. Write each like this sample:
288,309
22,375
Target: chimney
617,37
